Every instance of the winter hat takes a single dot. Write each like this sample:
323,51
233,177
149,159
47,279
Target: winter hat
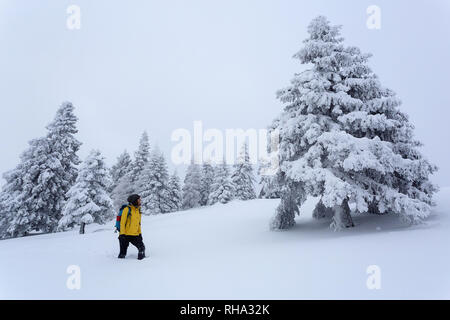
133,199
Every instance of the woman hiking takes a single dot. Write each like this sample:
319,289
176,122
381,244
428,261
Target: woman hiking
130,227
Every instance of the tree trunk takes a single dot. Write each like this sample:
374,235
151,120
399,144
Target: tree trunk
342,218
82,228
285,214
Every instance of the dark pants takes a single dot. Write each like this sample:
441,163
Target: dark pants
124,242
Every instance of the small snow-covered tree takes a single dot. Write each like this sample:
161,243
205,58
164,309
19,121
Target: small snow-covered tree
122,191
270,188
242,177
154,185
141,158
128,183
192,187
89,200
119,169
206,182
222,189
343,139
175,198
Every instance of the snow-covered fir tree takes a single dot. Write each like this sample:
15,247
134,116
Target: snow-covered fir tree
3,225
129,182
269,168
242,177
222,189
206,182
11,215
89,200
141,158
343,139
175,198
192,187
64,147
61,133
124,188
30,196
119,169
35,191
270,189
153,184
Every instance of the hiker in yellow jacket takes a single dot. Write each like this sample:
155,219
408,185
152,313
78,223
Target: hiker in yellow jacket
130,227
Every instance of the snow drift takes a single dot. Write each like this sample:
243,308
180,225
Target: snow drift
228,252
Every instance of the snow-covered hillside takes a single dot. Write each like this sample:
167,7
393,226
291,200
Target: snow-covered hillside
228,252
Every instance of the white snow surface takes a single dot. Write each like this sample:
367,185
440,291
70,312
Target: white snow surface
228,252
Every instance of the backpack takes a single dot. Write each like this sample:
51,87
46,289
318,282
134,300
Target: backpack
119,216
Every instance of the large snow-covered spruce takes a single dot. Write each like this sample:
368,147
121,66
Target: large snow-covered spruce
89,200
64,147
61,133
242,177
343,139
35,191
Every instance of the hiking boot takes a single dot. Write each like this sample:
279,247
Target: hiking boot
141,255
121,256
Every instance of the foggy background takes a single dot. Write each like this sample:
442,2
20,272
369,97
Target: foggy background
160,65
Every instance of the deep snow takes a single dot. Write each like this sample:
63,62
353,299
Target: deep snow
228,252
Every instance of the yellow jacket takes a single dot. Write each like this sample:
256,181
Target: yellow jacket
131,226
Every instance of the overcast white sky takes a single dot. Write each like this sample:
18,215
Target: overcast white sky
160,65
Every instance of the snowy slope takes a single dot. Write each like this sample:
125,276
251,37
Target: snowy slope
227,252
